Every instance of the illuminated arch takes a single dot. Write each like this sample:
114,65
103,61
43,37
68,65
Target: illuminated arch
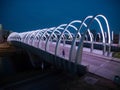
61,35
79,50
13,36
56,29
107,25
45,32
38,34
27,36
101,28
52,31
31,37
70,25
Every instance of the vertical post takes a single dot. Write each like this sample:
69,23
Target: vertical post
109,45
91,50
63,51
104,48
105,37
95,37
99,37
112,37
109,49
63,41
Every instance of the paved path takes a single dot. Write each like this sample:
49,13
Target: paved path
101,66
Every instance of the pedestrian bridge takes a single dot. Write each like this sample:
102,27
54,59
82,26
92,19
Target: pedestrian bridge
50,43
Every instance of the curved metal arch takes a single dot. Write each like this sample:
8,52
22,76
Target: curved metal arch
65,30
107,25
23,38
93,18
101,28
22,35
40,32
31,35
74,40
78,21
27,36
47,34
79,51
16,37
50,34
36,35
56,29
69,25
10,37
44,34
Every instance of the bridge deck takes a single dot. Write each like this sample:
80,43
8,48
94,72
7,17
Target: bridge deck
98,64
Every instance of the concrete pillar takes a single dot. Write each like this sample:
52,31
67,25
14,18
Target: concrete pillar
31,59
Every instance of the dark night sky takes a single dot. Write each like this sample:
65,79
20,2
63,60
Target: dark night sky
26,15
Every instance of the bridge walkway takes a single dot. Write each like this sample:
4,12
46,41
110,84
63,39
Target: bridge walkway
98,64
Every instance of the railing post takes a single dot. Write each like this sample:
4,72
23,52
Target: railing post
91,50
109,49
112,37
104,48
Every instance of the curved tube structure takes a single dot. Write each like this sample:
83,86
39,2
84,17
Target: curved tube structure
56,37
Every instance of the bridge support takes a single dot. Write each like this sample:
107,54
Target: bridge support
36,62
31,59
